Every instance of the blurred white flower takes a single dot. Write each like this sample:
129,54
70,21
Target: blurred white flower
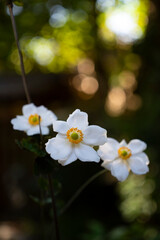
75,139
121,157
29,121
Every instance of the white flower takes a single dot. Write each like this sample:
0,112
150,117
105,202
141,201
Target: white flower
75,139
29,121
121,157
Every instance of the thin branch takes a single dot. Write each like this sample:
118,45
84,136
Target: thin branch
10,7
77,193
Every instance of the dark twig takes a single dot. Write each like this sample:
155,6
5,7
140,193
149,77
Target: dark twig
10,7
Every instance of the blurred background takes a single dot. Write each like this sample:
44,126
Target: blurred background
102,57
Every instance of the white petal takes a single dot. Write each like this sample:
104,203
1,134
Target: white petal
123,143
109,150
61,127
41,110
137,165
69,160
119,169
143,156
137,146
33,130
86,153
29,109
48,118
107,164
44,130
59,148
59,135
78,120
20,123
95,135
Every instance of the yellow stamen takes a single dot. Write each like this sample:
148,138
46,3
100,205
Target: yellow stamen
34,119
74,135
124,152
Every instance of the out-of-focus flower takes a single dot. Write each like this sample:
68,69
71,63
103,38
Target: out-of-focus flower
75,139
121,157
29,121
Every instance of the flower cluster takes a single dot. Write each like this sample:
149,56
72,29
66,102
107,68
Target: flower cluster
76,140
32,116
121,157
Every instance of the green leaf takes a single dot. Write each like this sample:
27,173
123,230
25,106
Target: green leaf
32,145
18,2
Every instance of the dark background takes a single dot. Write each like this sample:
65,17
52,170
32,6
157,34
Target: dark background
73,60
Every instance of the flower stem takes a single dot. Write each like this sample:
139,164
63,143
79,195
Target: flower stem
54,207
52,192
77,193
10,7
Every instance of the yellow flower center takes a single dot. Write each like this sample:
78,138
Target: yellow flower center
74,135
34,119
124,152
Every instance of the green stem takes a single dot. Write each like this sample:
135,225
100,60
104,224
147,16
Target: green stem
77,193
51,191
10,7
40,131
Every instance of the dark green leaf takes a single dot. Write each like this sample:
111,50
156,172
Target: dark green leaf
32,145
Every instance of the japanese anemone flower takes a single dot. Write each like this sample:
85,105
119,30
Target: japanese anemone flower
121,157
29,121
75,139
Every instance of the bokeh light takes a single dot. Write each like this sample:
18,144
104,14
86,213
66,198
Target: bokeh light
85,84
127,80
124,21
124,26
42,50
136,197
59,16
89,85
115,102
134,102
86,66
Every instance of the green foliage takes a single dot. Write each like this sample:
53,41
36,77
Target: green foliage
43,164
32,144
